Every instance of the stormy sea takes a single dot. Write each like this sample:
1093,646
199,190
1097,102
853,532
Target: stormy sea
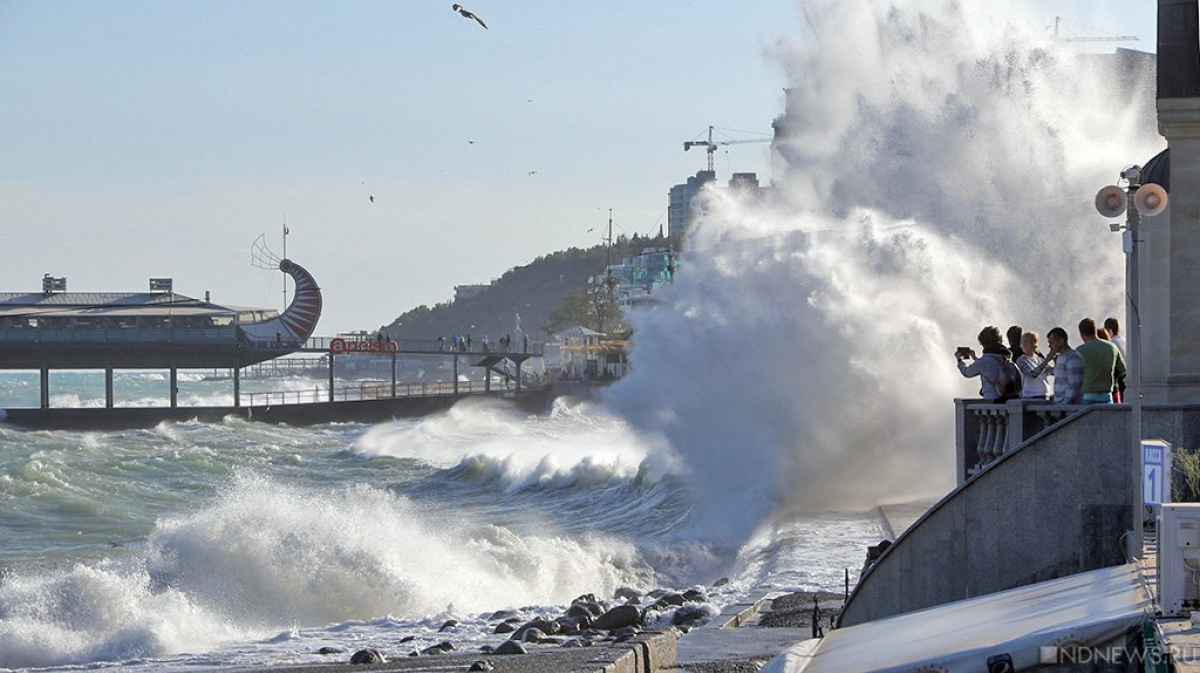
935,167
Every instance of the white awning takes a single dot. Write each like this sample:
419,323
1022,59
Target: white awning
1032,624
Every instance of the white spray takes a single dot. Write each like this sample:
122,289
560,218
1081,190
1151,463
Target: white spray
936,175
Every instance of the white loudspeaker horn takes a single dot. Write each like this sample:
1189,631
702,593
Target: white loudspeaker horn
1110,201
1150,199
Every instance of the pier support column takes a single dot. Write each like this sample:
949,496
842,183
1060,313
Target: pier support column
45,387
455,374
237,386
519,362
331,376
174,387
393,376
108,387
487,379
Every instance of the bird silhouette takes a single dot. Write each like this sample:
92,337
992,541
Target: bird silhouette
533,172
372,197
467,14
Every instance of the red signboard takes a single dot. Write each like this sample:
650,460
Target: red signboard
363,347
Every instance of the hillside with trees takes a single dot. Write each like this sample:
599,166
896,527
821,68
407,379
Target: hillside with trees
549,293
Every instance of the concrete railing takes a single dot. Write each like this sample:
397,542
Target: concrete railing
1050,505
986,431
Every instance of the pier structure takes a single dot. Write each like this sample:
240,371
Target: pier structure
159,329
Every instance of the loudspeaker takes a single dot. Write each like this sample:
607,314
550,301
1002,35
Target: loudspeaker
1150,199
1110,201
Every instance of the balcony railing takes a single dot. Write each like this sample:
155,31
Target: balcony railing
986,431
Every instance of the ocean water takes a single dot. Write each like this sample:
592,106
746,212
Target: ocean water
247,544
935,174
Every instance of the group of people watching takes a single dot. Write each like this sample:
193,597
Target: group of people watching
1093,373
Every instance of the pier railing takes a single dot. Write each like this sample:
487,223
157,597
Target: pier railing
369,390
986,431
432,346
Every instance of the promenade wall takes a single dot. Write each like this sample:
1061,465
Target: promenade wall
1054,506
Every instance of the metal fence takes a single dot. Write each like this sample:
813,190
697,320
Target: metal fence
372,390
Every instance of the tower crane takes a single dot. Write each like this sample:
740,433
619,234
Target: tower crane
710,145
1108,38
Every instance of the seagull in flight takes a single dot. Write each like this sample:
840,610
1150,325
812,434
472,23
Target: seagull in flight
468,14
372,197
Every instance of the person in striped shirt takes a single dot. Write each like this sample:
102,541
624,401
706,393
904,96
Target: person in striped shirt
1068,368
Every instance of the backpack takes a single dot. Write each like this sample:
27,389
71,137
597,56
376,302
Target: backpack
1009,385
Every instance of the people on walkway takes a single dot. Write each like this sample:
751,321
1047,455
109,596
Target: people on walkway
1035,369
1103,365
1015,334
989,367
1068,368
1114,334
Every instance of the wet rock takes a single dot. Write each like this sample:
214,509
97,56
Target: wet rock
552,640
721,582
510,647
586,598
502,614
449,624
504,627
481,665
689,614
669,600
545,626
628,631
405,639
441,648
579,610
531,635
330,650
618,617
694,596
368,656
628,594
571,625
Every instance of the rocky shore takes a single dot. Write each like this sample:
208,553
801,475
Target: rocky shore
588,622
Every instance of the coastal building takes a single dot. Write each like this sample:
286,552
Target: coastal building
582,354
639,279
684,206
469,291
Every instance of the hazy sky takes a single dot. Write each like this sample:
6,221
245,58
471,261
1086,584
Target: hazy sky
158,138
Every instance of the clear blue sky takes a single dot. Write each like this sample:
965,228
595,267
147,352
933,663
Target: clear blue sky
160,138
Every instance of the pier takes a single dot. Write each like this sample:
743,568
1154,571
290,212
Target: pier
326,401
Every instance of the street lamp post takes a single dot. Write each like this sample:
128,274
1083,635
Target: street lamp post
1111,202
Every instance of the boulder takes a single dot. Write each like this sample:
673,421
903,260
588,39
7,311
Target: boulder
721,582
447,625
694,596
618,617
546,626
481,665
510,647
688,614
504,627
368,656
628,594
669,600
330,650
530,635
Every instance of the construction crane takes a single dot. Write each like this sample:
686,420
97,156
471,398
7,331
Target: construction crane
1110,38
711,145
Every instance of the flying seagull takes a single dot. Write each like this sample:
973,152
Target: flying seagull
372,197
467,14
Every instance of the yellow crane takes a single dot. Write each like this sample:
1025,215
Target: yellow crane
710,145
